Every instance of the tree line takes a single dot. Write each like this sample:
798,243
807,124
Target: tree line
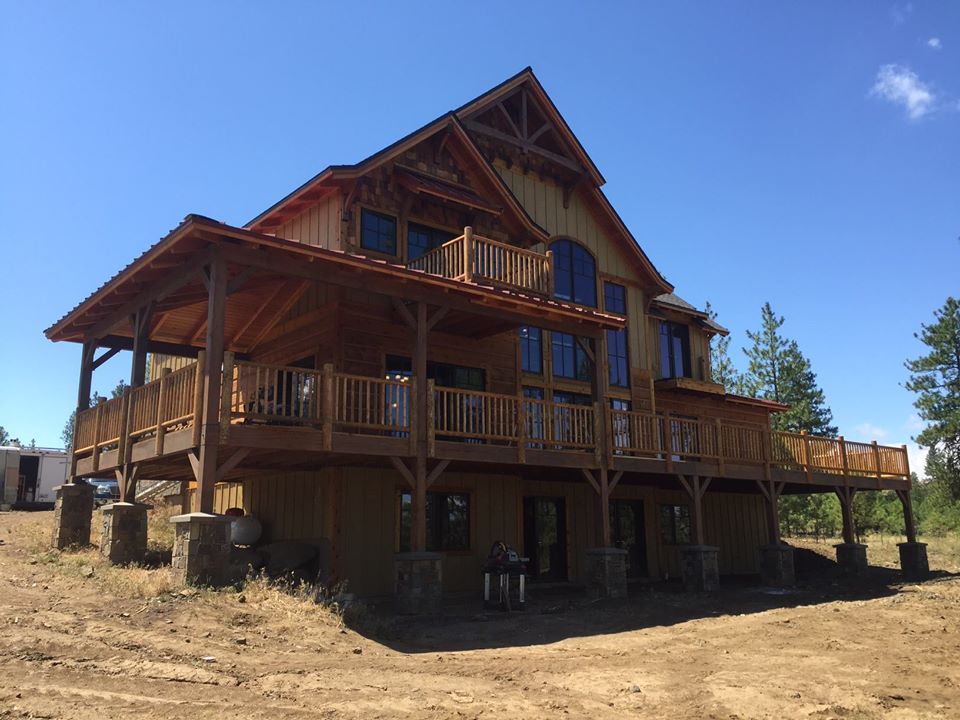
778,370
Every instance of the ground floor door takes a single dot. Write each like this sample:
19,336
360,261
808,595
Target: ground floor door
628,532
545,538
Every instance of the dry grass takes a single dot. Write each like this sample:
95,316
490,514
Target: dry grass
943,553
159,528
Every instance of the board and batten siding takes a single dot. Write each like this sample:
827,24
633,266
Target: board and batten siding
318,225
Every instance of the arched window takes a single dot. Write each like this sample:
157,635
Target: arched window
575,273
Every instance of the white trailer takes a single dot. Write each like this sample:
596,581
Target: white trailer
29,476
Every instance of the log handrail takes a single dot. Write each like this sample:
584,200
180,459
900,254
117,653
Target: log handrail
473,258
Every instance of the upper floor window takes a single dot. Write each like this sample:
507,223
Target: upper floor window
674,350
618,359
531,350
421,239
575,273
378,232
570,360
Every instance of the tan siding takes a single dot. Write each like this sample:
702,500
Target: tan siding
318,225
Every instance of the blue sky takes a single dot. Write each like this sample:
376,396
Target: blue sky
805,153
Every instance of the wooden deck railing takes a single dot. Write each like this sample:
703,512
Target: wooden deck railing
473,258
341,403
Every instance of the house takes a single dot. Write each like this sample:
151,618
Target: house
453,342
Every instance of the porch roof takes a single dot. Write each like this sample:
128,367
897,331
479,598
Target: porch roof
168,274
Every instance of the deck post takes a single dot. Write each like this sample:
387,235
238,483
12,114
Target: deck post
140,321
210,432
327,400
83,399
467,253
913,555
776,558
851,555
699,561
418,542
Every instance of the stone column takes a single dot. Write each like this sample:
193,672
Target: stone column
72,515
124,536
699,567
608,572
852,558
776,565
913,560
201,549
418,582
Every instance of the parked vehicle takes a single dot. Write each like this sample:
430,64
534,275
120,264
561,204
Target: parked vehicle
29,476
105,491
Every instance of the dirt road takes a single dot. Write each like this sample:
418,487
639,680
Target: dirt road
78,642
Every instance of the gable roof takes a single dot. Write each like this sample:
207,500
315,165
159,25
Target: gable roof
452,122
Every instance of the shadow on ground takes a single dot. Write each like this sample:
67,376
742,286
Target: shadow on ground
556,614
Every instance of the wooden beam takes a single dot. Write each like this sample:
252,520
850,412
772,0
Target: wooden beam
86,374
401,467
104,357
525,145
232,462
210,434
588,475
239,280
194,464
616,480
437,472
141,332
404,311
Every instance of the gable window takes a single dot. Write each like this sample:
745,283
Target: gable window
674,524
422,239
618,358
448,521
575,273
674,350
378,232
570,360
531,350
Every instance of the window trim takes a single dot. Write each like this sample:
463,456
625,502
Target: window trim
578,352
686,360
376,211
521,340
468,493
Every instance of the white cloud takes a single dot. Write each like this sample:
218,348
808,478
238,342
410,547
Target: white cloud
934,42
901,86
914,424
918,459
869,431
900,13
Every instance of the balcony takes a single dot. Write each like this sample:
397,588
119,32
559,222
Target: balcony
270,407
472,258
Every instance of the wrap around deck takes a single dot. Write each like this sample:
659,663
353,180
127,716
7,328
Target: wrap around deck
286,408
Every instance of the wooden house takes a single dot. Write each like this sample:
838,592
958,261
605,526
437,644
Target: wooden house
453,342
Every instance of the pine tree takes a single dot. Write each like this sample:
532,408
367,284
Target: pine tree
778,371
935,377
722,369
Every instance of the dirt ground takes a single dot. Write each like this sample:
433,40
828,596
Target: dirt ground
81,639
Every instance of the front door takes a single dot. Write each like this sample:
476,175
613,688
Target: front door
628,532
545,538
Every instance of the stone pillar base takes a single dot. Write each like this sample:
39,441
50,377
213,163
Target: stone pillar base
701,572
201,549
608,572
776,565
72,514
913,560
852,558
124,536
418,582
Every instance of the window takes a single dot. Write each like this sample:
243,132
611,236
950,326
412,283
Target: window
575,273
570,360
448,521
531,350
378,232
674,524
569,398
422,239
618,357
443,374
620,425
674,350
534,413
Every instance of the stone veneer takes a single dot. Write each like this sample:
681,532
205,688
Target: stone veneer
124,536
608,571
913,560
72,514
201,549
776,565
700,568
418,582
852,558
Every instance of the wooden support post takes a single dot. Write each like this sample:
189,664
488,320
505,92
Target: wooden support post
198,397
161,411
226,397
418,541
771,492
876,460
431,429
909,524
668,440
210,434
522,439
328,400
696,488
97,429
550,287
468,254
140,321
603,480
846,508
413,417
844,466
86,375
767,454
718,429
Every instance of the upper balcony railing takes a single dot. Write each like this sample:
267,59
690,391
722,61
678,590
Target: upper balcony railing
473,258
332,402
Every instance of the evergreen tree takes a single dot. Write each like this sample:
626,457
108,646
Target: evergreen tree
778,371
722,369
935,377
